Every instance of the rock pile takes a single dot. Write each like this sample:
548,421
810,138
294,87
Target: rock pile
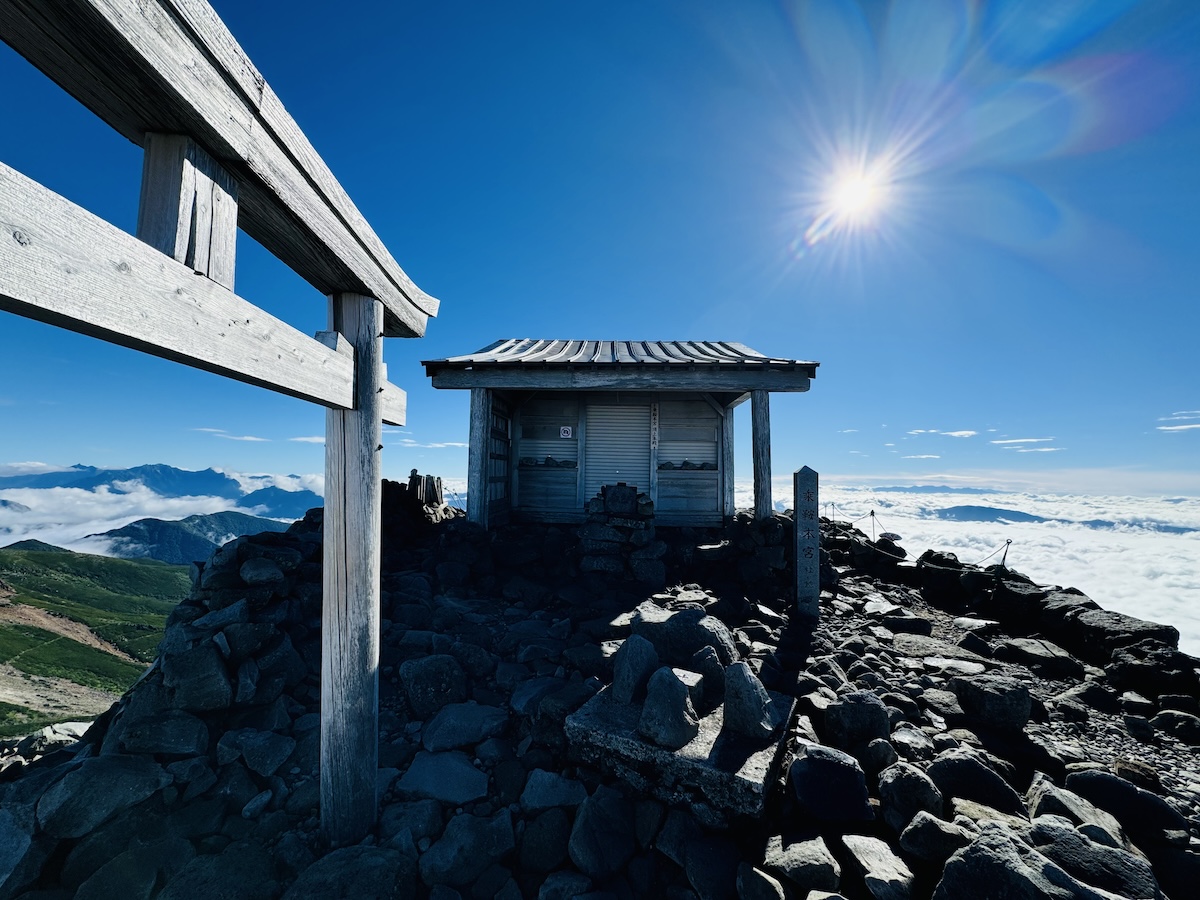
955,732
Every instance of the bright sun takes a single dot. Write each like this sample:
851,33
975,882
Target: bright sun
857,196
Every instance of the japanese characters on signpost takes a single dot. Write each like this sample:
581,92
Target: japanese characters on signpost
808,544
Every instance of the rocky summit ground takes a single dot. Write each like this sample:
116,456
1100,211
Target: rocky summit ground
955,732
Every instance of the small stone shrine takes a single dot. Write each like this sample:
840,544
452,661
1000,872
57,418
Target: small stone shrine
685,719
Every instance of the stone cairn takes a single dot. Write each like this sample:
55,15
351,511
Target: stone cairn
947,731
618,537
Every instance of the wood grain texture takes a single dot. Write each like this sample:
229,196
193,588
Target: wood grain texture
62,265
807,549
350,607
477,462
188,207
728,503
760,430
172,66
700,378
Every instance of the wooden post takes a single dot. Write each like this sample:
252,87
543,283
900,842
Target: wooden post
350,611
478,470
189,206
760,417
807,544
728,503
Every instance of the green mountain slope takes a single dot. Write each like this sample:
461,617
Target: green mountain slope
125,602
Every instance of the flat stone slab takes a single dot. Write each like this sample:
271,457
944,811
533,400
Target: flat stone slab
724,772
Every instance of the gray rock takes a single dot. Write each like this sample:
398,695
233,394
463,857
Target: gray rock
932,839
544,842
1109,868
564,886
261,571
265,751
95,791
135,873
468,846
1046,798
196,679
239,872
21,855
884,873
856,719
960,772
530,693
755,884
1147,818
711,866
461,724
997,701
173,733
668,718
748,709
602,839
691,629
544,790
830,785
1043,657
633,664
1106,630
357,872
904,790
431,682
707,665
1182,725
807,865
912,743
997,864
449,777
420,818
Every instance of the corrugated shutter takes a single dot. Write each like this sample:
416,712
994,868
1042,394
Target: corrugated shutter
617,447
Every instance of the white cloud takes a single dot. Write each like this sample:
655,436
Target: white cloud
960,434
848,431
922,456
209,430
253,481
1177,427
1039,449
30,468
409,442
1184,414
1023,441
313,439
243,437
922,431
1129,568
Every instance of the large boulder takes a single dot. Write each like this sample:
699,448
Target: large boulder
830,785
1146,817
603,837
998,864
960,772
994,701
856,719
357,872
1109,868
904,790
468,846
1096,633
96,791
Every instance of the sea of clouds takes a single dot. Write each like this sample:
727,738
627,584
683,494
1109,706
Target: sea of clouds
1136,555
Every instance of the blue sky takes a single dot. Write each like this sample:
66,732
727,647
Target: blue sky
1014,305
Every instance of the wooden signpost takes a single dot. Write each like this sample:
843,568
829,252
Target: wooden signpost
807,544
221,153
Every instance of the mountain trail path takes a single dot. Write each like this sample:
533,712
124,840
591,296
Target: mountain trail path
20,614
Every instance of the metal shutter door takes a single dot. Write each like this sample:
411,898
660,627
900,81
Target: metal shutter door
617,447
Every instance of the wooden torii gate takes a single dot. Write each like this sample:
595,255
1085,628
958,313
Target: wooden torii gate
222,153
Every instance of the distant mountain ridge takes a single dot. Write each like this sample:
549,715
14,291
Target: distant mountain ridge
168,481
185,540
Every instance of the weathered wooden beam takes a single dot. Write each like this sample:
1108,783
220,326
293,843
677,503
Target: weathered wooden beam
728,502
350,607
171,66
188,207
393,401
62,265
477,456
807,544
699,378
760,424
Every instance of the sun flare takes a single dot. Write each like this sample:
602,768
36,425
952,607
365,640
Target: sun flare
857,196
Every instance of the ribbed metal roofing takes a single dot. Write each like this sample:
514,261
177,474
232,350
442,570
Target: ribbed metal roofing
529,351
